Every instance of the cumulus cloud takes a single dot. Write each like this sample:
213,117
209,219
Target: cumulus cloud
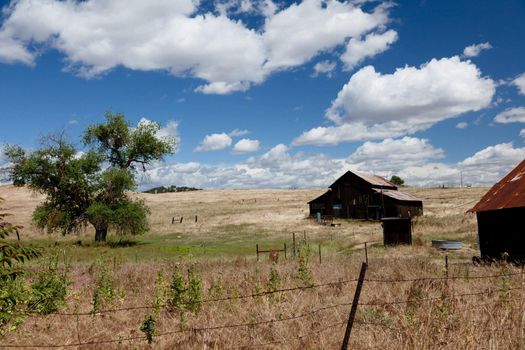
245,146
301,31
475,49
492,163
357,50
414,159
182,37
511,115
519,82
462,125
395,154
374,105
522,133
214,142
324,67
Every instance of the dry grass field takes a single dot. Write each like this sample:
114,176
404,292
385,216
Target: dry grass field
232,301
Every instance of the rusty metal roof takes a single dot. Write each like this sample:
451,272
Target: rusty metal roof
400,196
375,180
508,193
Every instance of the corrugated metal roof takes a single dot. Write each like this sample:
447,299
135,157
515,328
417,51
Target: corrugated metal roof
400,196
508,193
375,180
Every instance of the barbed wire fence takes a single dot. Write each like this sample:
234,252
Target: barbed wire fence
265,322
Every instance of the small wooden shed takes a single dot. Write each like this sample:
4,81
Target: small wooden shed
397,231
364,196
500,214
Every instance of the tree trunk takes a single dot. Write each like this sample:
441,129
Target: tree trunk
100,233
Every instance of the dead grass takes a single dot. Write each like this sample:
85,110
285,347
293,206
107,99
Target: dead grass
491,320
230,221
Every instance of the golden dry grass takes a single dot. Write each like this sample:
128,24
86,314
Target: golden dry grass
484,313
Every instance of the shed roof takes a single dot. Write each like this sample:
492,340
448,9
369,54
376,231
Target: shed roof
398,195
507,193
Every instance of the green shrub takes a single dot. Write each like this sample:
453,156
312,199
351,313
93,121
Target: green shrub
106,290
13,297
303,271
185,295
49,291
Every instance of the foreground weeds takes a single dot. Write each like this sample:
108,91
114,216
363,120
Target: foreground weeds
406,303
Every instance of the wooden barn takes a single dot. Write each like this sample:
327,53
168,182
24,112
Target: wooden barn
362,196
500,214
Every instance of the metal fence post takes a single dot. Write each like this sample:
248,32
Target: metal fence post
353,310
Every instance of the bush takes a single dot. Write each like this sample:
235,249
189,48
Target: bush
49,291
13,297
106,290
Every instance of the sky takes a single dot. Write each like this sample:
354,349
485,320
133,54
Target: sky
276,94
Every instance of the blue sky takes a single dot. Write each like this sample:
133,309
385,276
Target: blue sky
264,93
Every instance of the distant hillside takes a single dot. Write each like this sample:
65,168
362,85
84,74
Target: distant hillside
163,189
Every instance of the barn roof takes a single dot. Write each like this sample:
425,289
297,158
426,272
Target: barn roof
321,197
373,180
398,195
507,193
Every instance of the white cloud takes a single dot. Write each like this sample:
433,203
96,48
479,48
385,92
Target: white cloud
374,105
246,146
522,133
182,38
214,142
357,50
519,81
238,132
492,163
415,160
475,49
396,153
301,31
324,67
511,115
462,125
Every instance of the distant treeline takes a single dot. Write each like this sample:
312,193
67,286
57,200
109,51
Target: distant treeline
164,189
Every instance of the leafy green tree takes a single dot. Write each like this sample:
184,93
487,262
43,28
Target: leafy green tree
92,186
396,180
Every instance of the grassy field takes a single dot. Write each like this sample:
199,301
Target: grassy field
406,303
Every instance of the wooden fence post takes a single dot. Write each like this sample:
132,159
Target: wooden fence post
353,310
446,266
173,220
257,250
195,218
285,258
293,244
366,252
320,260
182,217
